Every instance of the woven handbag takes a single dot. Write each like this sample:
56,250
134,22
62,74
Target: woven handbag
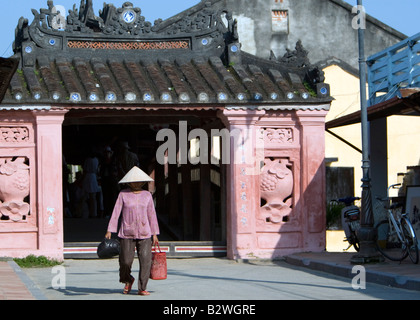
159,269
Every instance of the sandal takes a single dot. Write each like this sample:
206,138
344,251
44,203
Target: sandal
144,293
128,286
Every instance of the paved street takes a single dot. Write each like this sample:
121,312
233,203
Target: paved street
208,279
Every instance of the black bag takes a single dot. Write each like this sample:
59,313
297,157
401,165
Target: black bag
108,248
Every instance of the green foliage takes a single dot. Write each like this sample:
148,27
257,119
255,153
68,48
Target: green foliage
308,87
32,261
334,213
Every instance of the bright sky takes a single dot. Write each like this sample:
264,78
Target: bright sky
401,15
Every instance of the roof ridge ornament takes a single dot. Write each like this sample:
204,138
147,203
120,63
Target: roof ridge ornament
111,20
297,58
128,20
124,20
205,27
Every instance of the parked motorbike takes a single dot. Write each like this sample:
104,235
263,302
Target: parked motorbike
350,220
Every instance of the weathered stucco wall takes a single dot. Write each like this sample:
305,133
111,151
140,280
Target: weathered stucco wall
323,26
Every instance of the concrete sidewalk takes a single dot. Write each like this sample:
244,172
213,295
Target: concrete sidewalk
299,276
16,285
404,275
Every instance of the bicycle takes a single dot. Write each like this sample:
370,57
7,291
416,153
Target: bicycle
401,239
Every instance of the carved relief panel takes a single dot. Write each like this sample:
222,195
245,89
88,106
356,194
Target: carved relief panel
276,189
17,152
282,136
14,189
279,146
10,135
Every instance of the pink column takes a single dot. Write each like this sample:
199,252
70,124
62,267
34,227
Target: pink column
313,178
242,182
49,182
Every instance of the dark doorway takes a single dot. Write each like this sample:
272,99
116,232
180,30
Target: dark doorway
189,199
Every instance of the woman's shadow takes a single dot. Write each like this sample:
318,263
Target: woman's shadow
80,291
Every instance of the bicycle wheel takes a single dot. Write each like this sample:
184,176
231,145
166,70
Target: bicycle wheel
388,243
411,240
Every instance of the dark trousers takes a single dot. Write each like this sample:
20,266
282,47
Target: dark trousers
144,253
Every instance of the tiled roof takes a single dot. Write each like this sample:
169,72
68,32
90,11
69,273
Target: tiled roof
162,81
192,58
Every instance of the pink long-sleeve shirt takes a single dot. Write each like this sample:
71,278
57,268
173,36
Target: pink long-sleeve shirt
139,220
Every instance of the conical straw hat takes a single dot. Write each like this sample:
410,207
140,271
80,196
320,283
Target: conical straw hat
136,175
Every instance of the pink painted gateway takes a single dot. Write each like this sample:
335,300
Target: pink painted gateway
104,86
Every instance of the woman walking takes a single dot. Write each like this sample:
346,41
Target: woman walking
138,225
